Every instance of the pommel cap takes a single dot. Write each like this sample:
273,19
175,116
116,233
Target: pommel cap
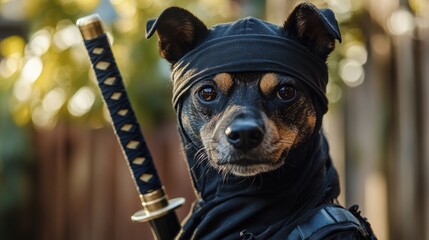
90,26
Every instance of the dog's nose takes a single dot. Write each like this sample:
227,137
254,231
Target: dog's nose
244,134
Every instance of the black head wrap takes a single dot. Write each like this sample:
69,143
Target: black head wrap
269,205
249,45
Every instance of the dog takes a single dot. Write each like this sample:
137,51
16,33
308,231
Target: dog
250,98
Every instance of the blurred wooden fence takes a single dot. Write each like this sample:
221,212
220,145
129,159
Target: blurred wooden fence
84,188
386,124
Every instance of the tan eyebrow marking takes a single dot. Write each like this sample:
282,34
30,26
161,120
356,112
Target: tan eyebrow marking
223,82
268,83
312,120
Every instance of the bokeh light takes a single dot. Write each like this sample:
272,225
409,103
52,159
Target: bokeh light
380,44
357,52
32,69
40,42
9,65
351,71
401,22
54,100
81,102
12,45
67,35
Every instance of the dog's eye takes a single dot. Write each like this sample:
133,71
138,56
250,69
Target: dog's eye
208,93
286,92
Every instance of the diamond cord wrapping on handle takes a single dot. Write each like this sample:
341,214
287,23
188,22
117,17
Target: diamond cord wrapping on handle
123,117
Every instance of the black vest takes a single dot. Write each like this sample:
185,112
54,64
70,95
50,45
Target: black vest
329,222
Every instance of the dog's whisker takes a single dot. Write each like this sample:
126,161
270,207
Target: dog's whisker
260,182
207,168
251,184
244,179
200,156
197,160
224,177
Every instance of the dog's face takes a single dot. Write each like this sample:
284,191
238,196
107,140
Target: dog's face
248,122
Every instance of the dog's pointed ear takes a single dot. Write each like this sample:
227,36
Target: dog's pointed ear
315,28
178,30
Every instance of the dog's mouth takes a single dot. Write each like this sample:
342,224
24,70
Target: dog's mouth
262,160
248,167
242,162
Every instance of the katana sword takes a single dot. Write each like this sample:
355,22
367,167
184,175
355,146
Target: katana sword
157,209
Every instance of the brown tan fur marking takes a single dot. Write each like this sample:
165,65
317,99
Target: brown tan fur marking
300,126
268,83
223,82
312,119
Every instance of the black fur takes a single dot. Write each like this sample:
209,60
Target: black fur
178,32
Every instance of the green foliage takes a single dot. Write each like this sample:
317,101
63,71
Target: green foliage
52,78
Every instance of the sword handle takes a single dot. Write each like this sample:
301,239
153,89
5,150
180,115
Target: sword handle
115,96
157,209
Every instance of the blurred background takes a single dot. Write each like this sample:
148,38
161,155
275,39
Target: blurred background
62,174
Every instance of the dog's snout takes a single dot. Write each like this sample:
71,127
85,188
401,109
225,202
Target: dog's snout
244,134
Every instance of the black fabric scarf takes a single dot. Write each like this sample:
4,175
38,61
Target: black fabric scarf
268,205
251,45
